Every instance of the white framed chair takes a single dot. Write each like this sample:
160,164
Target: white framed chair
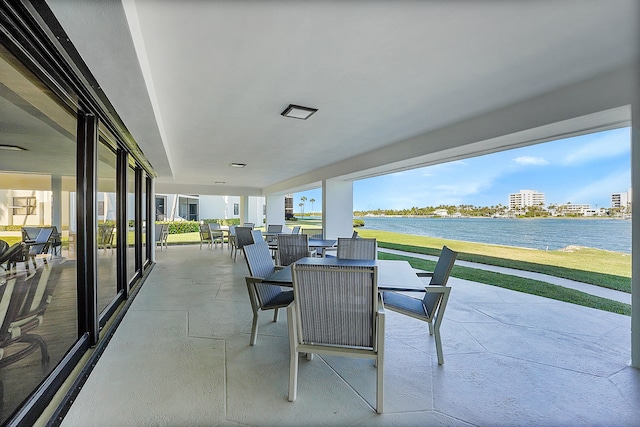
432,306
352,248
217,235
263,296
292,247
243,237
336,311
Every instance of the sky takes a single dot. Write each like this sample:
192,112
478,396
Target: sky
584,169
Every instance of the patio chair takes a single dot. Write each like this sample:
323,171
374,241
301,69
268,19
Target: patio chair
292,247
25,297
431,307
313,233
257,236
273,228
263,296
296,230
243,237
232,238
217,235
14,254
336,311
205,236
251,225
162,233
37,241
105,236
350,248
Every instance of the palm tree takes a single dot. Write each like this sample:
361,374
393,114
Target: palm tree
312,202
303,199
301,208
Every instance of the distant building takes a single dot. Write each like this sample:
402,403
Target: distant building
288,206
576,209
525,198
621,200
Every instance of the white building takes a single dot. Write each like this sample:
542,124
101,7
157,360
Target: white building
621,200
525,198
576,209
172,207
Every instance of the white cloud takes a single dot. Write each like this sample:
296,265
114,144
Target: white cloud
529,160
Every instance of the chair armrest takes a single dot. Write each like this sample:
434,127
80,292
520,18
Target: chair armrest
425,274
253,279
436,289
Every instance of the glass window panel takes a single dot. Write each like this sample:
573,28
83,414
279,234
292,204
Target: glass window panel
131,223
37,206
107,215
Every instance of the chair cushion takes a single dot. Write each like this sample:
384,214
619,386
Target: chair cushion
283,299
394,300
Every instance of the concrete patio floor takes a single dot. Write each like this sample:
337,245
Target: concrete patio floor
181,357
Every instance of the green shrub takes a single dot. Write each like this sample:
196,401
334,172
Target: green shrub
180,227
358,222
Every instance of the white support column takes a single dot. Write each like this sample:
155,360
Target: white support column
244,210
635,233
275,209
56,209
337,208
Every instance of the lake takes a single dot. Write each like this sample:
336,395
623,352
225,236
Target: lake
542,233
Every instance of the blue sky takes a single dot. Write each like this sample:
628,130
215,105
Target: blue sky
583,169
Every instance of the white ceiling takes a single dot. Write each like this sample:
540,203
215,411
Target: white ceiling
201,84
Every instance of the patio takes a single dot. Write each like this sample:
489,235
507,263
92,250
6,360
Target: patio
182,357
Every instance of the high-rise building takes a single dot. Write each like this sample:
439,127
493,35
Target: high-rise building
525,198
621,200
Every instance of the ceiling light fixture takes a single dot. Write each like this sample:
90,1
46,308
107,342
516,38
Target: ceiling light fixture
298,112
238,165
12,148
221,182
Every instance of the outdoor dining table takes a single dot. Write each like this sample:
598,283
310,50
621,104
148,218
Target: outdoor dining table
393,275
319,244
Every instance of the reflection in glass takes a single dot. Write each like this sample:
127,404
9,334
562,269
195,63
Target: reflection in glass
131,223
107,230
37,222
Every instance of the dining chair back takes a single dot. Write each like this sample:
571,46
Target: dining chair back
262,295
292,247
357,248
336,311
243,237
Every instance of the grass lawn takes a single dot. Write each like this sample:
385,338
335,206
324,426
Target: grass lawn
597,267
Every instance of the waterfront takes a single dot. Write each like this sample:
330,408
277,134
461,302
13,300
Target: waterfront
543,233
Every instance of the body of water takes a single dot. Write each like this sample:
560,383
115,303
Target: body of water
544,233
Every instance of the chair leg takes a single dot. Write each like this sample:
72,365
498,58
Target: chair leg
430,328
293,357
438,346
275,315
254,329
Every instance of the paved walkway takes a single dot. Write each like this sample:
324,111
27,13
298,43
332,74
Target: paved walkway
584,287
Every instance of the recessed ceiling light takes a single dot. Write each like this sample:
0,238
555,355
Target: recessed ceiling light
221,182
298,112
12,148
238,165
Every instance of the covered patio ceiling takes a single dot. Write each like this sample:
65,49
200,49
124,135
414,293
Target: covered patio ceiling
201,84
